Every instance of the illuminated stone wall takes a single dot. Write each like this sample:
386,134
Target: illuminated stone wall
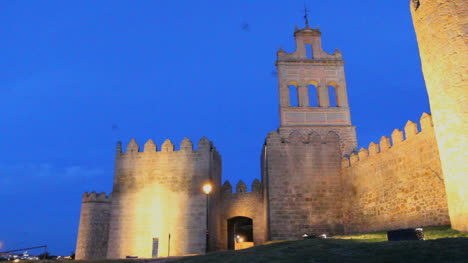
441,29
157,193
246,204
94,226
398,185
303,183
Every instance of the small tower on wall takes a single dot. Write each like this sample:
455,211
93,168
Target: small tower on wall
312,90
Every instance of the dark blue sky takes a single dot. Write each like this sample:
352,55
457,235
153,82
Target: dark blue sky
76,76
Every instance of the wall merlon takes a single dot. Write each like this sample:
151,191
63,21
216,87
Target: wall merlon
241,187
411,129
273,138
363,153
186,145
150,146
354,158
426,122
204,144
384,144
118,149
373,148
226,188
397,136
167,146
257,186
132,147
96,197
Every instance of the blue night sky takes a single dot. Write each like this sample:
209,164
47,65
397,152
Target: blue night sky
77,76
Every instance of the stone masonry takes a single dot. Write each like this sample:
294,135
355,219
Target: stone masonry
313,179
441,28
246,204
93,232
398,185
157,194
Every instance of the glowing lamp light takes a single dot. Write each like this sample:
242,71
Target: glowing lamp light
207,188
241,239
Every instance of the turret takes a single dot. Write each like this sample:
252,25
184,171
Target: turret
94,226
150,184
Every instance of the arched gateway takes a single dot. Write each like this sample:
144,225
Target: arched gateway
239,231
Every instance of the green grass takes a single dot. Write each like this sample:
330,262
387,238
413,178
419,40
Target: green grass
453,250
433,232
442,244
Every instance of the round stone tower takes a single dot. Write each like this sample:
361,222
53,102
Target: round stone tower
94,226
441,29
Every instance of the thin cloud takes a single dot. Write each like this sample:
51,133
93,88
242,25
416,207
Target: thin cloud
16,172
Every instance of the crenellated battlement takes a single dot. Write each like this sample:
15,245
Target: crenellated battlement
101,197
165,164
241,187
186,145
397,137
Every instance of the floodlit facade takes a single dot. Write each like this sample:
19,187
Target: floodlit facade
314,180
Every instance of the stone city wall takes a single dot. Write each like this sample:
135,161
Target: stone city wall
245,204
395,186
94,226
159,193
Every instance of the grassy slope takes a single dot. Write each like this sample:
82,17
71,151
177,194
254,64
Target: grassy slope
433,232
336,250
354,248
442,245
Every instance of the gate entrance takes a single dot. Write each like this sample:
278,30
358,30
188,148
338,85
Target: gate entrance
240,230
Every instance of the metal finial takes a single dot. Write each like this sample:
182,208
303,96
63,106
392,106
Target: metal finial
306,15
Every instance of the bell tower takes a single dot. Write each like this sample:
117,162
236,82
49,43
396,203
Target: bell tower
301,162
312,90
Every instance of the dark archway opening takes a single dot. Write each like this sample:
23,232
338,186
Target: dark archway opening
239,226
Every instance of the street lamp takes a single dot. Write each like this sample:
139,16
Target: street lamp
207,189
